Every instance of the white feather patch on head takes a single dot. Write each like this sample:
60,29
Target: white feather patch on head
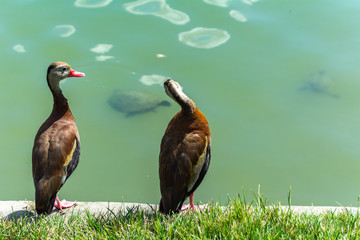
178,89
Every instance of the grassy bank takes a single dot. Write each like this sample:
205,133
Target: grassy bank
238,220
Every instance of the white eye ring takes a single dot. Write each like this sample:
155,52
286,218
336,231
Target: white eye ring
64,69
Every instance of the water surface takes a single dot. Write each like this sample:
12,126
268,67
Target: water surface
268,127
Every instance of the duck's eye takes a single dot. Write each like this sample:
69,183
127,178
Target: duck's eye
63,69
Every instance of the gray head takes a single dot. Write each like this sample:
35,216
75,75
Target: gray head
58,71
174,91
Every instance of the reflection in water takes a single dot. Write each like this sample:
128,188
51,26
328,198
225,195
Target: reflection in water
152,79
103,58
68,30
157,8
220,3
204,37
92,4
237,16
19,48
101,48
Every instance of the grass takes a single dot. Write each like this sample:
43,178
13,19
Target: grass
238,220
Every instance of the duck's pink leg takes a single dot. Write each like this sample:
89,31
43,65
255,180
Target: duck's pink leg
191,204
63,204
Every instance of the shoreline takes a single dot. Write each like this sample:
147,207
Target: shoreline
17,209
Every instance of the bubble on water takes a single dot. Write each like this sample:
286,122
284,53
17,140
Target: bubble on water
92,3
219,3
157,8
101,48
103,58
68,30
153,79
237,16
204,37
19,48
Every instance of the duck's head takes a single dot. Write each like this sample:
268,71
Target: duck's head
174,90
58,71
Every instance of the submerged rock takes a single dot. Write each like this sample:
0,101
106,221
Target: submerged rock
135,102
319,82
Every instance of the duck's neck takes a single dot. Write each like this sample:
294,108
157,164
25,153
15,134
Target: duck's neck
59,99
187,105
60,102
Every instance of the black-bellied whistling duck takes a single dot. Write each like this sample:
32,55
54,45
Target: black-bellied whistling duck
56,148
184,152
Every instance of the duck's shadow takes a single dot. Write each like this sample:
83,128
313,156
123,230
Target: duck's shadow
21,214
26,214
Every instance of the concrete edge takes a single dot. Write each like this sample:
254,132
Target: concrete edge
17,209
321,209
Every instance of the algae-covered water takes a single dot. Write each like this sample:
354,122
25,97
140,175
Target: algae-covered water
278,81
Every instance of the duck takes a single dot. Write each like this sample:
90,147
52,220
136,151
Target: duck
56,150
185,155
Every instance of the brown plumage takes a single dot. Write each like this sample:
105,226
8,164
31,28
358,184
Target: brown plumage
56,148
184,152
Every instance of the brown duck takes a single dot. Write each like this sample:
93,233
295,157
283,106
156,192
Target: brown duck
184,153
56,148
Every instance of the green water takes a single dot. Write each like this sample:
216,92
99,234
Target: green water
274,122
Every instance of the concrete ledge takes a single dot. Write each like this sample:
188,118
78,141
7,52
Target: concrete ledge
17,209
321,209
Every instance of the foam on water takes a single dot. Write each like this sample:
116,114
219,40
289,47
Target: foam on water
204,37
92,4
249,2
103,58
153,79
157,8
160,55
101,48
68,30
19,48
237,16
219,3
